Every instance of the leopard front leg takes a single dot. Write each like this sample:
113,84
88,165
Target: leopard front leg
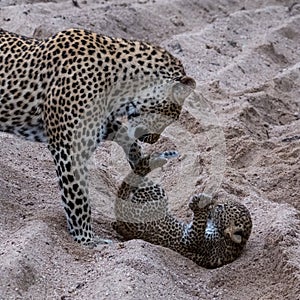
114,130
72,138
74,192
72,174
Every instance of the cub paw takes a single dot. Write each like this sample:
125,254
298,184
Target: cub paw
200,201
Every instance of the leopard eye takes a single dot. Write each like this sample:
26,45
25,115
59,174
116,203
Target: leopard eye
132,111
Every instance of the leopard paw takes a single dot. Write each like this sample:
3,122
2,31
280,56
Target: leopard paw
157,160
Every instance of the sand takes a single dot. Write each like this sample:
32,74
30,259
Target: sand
244,144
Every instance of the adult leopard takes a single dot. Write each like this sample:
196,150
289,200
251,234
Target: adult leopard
69,90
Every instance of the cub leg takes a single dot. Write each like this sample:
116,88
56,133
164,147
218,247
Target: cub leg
200,204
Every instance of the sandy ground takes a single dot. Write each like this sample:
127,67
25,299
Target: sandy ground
245,56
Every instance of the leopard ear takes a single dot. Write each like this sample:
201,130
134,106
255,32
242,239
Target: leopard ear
182,89
188,81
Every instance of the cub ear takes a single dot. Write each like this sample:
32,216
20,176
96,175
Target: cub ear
183,88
